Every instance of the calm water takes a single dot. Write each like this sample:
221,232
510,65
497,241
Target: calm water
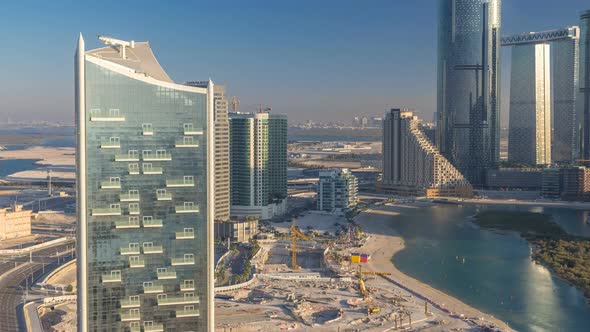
9,166
497,276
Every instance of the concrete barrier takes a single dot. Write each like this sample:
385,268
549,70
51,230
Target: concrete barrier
59,299
56,271
235,287
35,247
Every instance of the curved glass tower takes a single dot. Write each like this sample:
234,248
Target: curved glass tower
468,85
144,194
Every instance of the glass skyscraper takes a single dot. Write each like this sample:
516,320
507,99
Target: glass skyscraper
144,184
529,140
468,85
527,72
583,98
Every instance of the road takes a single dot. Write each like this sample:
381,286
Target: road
14,281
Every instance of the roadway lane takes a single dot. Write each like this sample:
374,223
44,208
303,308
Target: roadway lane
7,262
13,282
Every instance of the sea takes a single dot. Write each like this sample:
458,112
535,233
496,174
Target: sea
489,270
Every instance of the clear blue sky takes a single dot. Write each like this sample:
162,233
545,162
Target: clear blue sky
309,59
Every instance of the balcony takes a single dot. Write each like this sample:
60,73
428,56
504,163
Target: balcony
153,289
133,171
180,183
134,210
175,300
110,144
129,197
123,224
153,250
187,313
107,211
188,130
126,157
186,235
183,261
158,157
130,303
112,115
154,328
110,184
130,251
153,170
186,142
137,263
166,275
130,317
152,223
134,329
186,209
164,196
111,278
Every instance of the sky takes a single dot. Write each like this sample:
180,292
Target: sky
319,60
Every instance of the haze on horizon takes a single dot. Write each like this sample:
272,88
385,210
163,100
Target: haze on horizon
311,60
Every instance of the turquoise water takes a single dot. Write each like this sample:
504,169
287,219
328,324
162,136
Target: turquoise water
497,275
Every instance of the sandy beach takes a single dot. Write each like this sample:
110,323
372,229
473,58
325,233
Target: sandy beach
384,243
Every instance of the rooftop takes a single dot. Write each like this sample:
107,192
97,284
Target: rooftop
137,56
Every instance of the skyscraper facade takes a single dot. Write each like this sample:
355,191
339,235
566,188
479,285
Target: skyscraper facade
529,140
222,171
563,79
411,163
258,159
468,85
583,94
144,193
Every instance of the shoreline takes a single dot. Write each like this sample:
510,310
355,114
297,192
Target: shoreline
385,242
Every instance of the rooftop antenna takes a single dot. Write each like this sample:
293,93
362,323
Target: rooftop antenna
117,42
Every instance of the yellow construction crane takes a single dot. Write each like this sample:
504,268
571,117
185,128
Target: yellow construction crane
295,233
234,103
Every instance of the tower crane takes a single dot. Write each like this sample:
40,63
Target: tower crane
295,234
234,104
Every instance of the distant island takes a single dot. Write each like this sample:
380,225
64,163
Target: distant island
566,255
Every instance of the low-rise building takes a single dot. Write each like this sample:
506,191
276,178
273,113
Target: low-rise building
237,230
575,183
15,222
337,191
551,183
514,178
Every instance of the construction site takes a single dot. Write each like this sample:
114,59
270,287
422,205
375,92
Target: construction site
324,281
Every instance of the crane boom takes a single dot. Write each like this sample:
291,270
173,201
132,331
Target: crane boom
295,234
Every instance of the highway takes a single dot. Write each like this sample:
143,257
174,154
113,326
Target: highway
13,282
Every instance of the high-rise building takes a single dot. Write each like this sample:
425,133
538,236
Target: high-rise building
583,95
575,183
563,79
337,191
144,164
222,171
258,162
412,165
468,85
529,138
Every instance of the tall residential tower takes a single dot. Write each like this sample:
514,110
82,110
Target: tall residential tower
258,158
412,165
144,164
468,85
